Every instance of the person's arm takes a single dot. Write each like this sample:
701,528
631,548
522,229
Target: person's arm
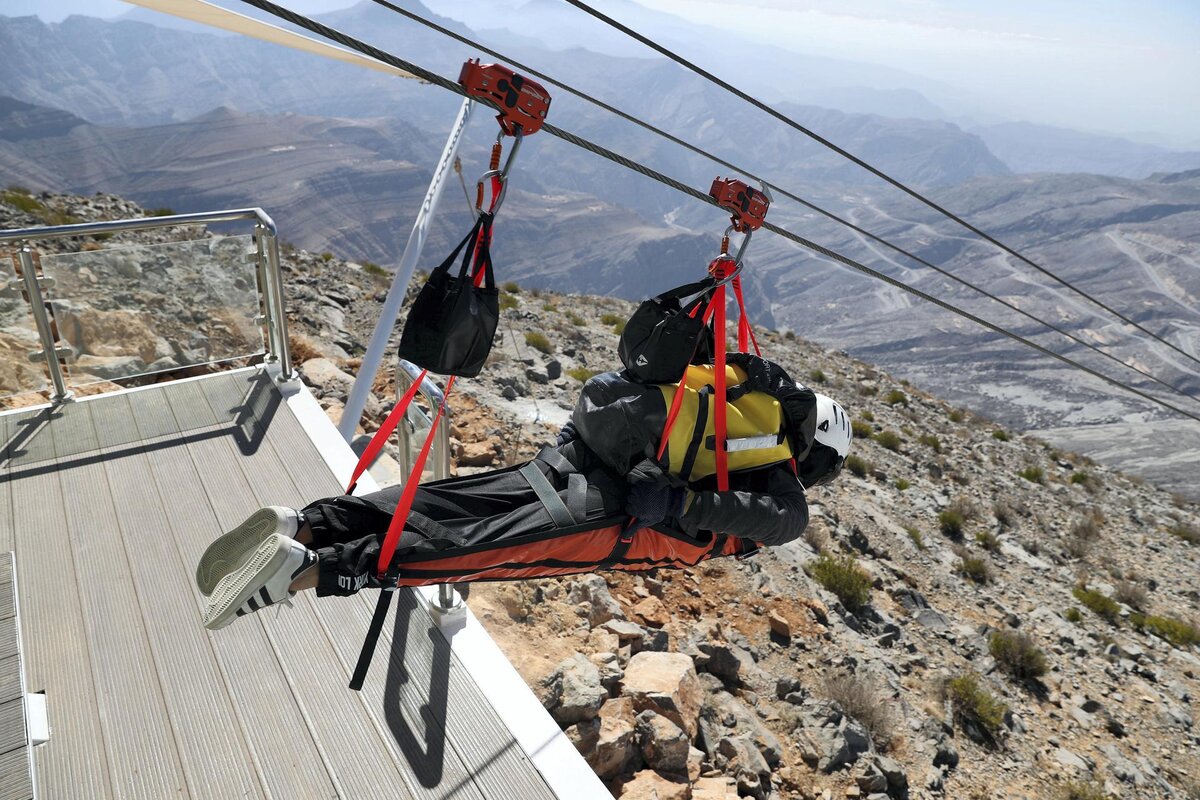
776,515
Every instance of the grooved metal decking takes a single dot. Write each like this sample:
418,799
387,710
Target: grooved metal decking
108,504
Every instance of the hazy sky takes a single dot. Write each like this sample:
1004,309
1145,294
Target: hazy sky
1121,66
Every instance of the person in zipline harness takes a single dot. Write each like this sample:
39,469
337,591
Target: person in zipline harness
593,473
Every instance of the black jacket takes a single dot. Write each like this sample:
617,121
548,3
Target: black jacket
766,505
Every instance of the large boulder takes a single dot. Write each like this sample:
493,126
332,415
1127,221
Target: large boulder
615,748
667,684
723,715
649,785
591,592
717,788
664,745
573,691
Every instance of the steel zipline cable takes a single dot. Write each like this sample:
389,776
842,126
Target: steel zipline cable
678,59
526,69
617,158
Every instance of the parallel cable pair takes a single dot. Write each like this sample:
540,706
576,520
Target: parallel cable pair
524,68
678,59
438,80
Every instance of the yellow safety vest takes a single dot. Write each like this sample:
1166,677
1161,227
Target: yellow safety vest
755,425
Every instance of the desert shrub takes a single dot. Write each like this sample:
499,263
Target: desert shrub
373,269
1073,615
507,302
1085,479
842,576
512,287
789,335
857,466
549,307
972,704
988,541
816,376
575,319
966,507
902,484
888,440
609,318
861,429
896,398
867,415
1000,435
862,700
1186,532
1175,631
581,374
1084,533
19,198
974,567
619,327
1003,513
956,415
950,522
1080,790
1131,594
538,341
915,535
1033,474
930,441
161,212
1098,603
1016,654
327,256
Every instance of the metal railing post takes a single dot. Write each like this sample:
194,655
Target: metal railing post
41,320
278,345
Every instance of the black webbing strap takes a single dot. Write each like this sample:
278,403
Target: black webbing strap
689,459
556,461
376,627
622,545
548,496
577,487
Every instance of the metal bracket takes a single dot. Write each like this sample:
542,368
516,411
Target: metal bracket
61,353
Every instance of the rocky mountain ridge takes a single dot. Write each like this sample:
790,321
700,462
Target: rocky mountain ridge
971,614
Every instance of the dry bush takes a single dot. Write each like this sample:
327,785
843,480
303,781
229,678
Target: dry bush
1131,594
977,568
862,700
1016,654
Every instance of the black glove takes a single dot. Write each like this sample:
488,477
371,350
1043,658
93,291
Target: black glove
567,435
651,503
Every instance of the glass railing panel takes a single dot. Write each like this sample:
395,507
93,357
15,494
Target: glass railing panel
21,371
136,310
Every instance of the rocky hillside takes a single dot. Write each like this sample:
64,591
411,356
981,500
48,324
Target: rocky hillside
971,613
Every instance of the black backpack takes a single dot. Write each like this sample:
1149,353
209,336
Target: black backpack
663,337
452,323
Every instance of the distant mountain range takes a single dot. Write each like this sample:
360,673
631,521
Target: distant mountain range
341,157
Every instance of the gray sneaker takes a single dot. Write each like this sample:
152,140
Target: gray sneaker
230,551
263,580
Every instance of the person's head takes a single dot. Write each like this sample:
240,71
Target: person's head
831,444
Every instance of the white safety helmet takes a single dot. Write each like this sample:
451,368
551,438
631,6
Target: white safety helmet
831,444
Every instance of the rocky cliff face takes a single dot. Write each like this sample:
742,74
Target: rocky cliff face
971,613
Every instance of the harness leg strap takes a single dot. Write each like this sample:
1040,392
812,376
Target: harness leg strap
548,496
372,638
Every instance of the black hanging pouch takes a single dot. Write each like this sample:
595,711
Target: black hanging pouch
452,323
663,337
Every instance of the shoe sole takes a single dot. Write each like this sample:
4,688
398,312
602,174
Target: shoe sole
240,585
228,553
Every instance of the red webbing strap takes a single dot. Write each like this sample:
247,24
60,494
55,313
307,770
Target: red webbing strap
719,428
744,330
677,400
385,430
410,491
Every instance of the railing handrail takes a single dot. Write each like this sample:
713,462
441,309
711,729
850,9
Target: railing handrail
278,349
140,223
